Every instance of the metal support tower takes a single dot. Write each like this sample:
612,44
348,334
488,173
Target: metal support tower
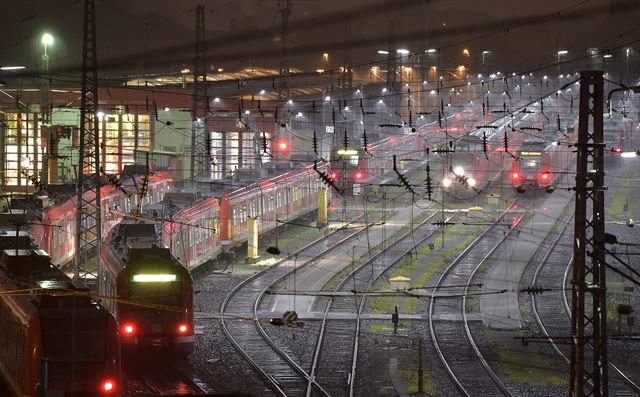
285,10
589,366
199,111
392,64
88,224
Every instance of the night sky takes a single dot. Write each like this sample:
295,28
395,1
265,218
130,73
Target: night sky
147,37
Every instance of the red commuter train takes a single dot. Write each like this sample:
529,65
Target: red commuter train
540,164
193,232
56,339
56,233
149,292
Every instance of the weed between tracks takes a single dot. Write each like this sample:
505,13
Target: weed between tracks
522,365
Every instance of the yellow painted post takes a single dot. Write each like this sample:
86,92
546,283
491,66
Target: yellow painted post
323,207
253,226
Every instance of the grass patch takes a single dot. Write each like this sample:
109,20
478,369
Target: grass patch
410,379
409,267
522,364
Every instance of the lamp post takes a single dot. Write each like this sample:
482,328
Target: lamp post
48,162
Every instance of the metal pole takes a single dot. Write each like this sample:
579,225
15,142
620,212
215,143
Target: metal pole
589,376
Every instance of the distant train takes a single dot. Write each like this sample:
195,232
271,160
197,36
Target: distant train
540,164
149,292
55,338
353,167
56,232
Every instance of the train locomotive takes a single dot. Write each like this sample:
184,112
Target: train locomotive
539,164
54,338
149,292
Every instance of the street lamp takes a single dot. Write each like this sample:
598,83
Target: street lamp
49,166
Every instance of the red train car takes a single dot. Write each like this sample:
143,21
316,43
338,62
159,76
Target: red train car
283,197
56,233
58,340
149,292
193,233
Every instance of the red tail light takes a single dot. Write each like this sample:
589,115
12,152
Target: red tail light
334,175
358,175
545,176
183,329
129,329
108,386
515,175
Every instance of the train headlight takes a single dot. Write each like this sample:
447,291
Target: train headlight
183,329
459,171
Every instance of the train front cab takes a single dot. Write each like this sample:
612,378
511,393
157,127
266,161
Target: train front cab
156,305
80,344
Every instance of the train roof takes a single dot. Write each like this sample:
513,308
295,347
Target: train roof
130,234
32,268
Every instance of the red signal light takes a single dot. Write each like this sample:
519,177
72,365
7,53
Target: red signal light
108,386
545,175
283,145
515,175
334,175
183,329
129,329
358,175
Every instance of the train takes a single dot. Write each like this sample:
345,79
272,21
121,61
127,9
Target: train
540,164
203,227
55,231
148,291
55,339
350,168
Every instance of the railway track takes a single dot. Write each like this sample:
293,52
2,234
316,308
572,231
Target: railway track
162,381
448,323
275,364
553,319
332,365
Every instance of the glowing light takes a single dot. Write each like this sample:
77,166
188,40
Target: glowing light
327,98
290,102
383,52
47,39
430,50
358,175
466,52
247,112
128,329
216,99
166,109
402,51
183,328
471,182
282,145
154,278
299,114
108,386
262,92
563,52
347,152
446,182
458,171
515,175
16,67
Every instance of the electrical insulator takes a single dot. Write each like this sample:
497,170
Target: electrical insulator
484,142
315,143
